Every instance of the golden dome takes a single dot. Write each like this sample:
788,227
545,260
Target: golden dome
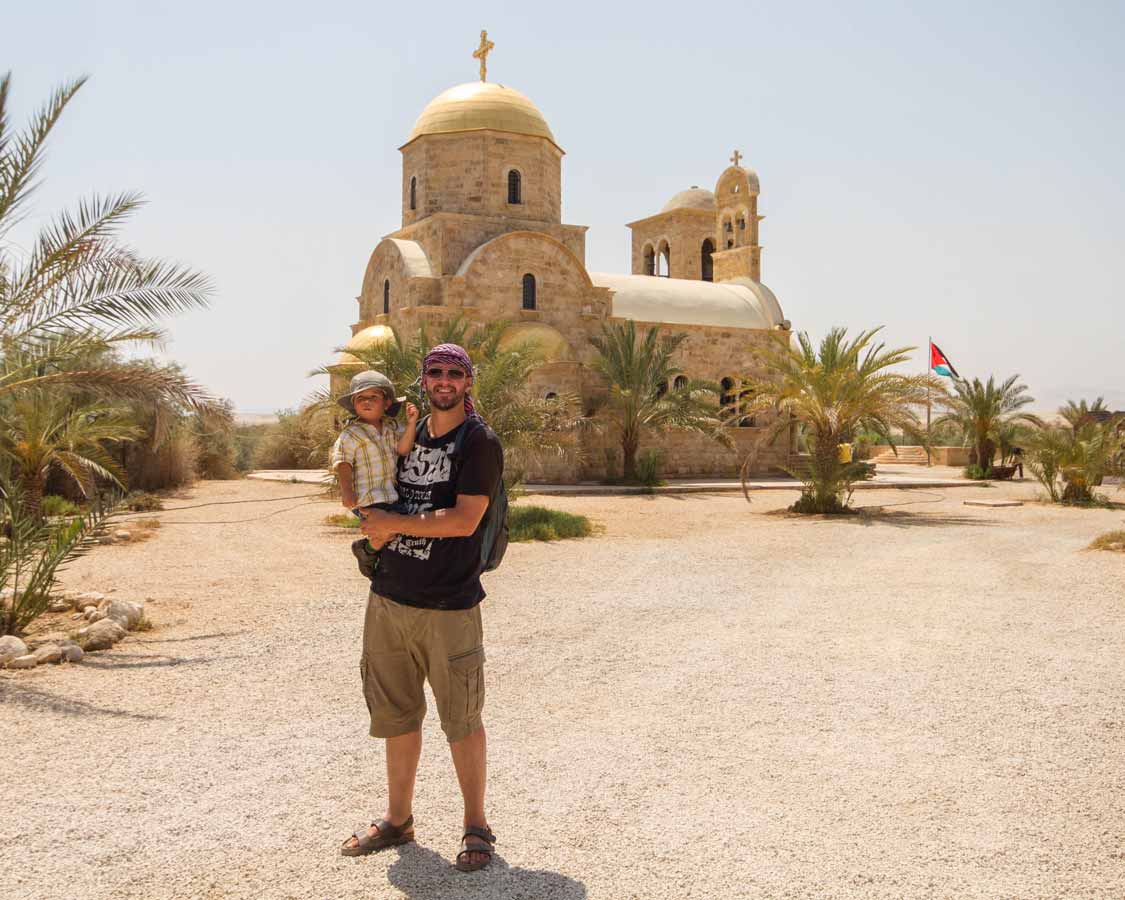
478,105
547,341
366,339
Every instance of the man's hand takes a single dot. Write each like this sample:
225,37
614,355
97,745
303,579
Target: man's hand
378,526
411,414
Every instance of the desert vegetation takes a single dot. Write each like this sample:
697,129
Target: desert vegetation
831,392
69,399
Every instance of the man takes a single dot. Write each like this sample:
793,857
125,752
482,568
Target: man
423,615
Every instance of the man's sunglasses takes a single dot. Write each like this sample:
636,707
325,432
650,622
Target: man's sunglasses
451,374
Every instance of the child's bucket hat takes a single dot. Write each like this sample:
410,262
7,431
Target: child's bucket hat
367,380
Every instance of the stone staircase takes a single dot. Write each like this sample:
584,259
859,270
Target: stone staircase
907,456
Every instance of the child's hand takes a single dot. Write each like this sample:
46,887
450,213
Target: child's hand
411,414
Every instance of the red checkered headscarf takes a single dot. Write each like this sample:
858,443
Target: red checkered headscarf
455,355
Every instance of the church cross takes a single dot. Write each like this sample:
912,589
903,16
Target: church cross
482,52
736,158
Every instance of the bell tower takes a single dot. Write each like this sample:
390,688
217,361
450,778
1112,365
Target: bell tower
738,253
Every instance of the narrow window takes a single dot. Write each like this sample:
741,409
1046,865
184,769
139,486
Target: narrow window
706,264
386,297
529,291
664,261
726,396
514,188
662,389
413,193
550,395
741,223
680,383
650,260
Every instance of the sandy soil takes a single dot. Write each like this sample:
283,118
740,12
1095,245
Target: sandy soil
708,700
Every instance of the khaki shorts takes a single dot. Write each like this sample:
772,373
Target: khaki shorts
403,646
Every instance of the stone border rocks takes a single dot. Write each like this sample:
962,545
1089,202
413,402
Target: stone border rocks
109,620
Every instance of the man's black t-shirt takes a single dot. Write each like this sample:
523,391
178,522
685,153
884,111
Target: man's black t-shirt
440,573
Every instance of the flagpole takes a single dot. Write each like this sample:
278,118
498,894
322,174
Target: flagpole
929,365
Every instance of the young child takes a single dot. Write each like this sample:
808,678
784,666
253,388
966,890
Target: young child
365,455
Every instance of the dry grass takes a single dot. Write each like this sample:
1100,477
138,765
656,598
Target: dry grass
1114,541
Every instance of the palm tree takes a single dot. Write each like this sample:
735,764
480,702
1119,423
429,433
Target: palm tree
835,390
1080,457
1080,413
43,431
32,554
639,368
981,411
78,291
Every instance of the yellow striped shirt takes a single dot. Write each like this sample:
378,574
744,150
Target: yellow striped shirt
370,451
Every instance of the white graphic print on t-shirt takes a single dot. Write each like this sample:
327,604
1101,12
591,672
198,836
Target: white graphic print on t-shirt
421,470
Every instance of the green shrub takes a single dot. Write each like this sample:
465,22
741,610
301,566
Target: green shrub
140,501
216,451
299,440
537,523
54,505
342,520
171,463
649,465
976,473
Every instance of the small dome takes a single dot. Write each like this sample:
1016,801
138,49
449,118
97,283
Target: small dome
366,339
693,198
478,105
552,346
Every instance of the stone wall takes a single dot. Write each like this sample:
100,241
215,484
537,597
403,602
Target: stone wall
467,172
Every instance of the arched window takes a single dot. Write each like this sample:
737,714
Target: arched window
680,383
413,193
529,291
726,396
730,244
386,297
650,260
741,222
662,389
550,395
515,193
706,265
664,260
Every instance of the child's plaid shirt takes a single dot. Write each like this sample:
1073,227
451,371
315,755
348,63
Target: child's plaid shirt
370,451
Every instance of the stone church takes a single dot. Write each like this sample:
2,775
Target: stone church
482,237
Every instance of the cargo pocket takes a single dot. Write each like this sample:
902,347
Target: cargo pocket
466,691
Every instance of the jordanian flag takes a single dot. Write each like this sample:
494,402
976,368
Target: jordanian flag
940,363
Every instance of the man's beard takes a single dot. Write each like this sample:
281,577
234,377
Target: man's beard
446,402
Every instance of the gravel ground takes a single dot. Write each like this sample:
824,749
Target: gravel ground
708,700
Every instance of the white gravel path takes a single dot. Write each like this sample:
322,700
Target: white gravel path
709,700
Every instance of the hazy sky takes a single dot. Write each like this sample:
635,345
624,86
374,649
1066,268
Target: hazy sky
952,170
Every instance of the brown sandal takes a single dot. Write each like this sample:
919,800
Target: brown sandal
389,836
485,835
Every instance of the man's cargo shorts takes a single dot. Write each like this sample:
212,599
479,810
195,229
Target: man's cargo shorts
402,647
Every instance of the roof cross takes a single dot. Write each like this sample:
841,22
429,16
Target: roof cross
482,52
736,158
